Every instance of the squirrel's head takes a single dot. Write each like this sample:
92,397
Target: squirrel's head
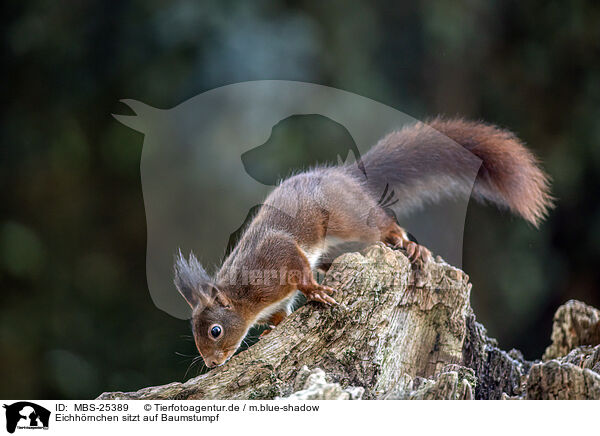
217,327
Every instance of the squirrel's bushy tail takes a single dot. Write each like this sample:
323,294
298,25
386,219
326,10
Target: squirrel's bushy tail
427,162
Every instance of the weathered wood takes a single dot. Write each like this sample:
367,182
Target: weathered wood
383,328
453,382
554,380
575,324
388,339
498,373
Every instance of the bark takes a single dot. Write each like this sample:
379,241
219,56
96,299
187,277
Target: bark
571,366
575,324
389,339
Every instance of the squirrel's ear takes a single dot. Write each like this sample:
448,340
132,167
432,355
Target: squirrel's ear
191,280
221,298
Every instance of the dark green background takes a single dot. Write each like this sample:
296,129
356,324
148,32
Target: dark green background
76,318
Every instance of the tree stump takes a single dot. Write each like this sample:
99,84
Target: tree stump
389,339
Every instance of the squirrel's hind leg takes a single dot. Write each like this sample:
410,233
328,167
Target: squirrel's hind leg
396,237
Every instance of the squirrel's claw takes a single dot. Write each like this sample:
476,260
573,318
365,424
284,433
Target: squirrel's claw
320,293
417,252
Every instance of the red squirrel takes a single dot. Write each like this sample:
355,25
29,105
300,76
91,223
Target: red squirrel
340,203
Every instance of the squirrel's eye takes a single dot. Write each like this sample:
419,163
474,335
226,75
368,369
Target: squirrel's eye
215,330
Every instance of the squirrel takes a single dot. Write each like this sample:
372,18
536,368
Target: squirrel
274,259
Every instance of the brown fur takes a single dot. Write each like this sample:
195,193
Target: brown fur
428,161
310,209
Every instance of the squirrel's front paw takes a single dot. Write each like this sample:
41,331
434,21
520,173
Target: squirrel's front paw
319,293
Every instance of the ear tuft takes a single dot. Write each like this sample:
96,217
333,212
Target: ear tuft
190,279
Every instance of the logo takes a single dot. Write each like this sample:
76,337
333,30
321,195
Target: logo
26,415
209,164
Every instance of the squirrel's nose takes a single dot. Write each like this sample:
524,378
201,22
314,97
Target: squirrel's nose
210,363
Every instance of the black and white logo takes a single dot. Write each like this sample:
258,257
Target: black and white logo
26,415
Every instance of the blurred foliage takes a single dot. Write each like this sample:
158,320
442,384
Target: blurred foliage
76,318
